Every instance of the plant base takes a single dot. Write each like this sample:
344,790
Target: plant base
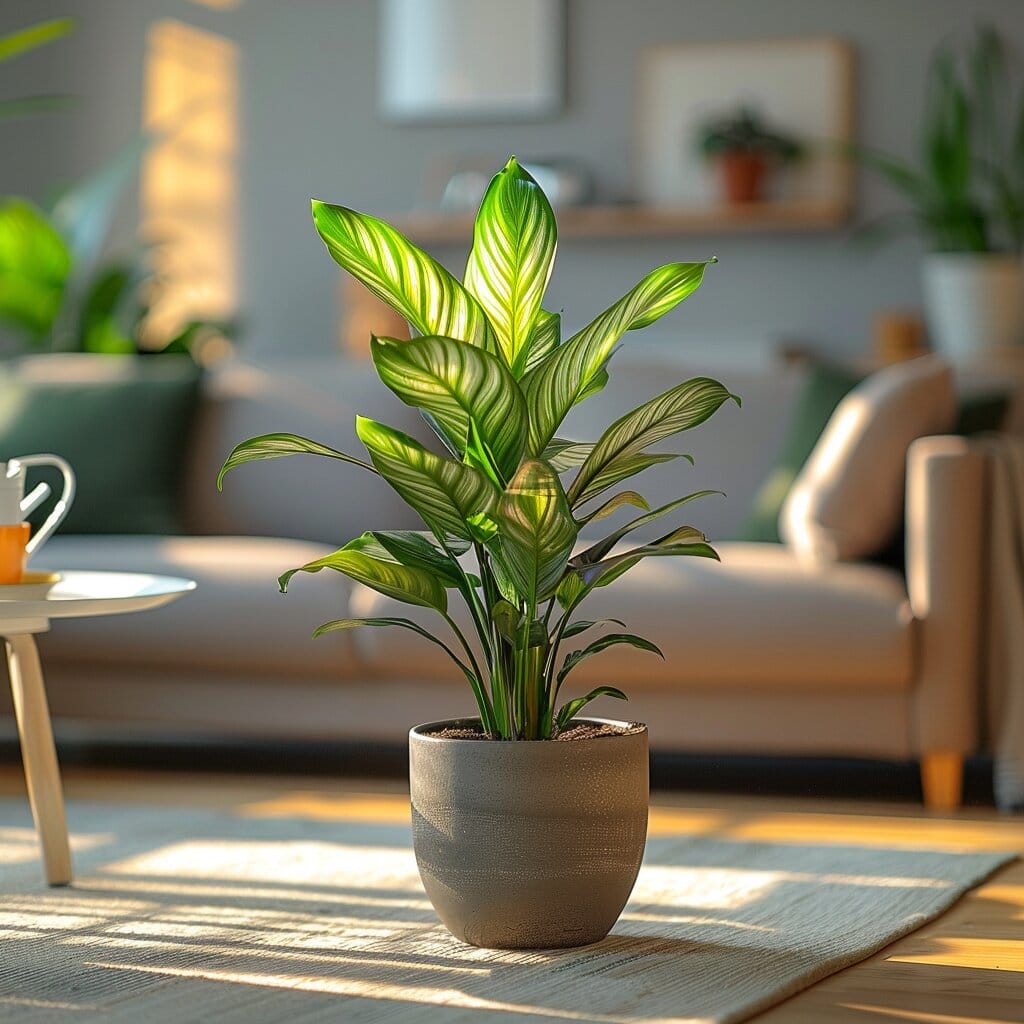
529,844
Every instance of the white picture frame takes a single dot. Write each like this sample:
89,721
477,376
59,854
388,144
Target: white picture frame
470,60
803,87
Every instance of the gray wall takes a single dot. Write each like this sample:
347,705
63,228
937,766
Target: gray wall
309,128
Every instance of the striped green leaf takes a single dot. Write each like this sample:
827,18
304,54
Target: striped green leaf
536,531
513,253
275,446
686,541
562,455
622,469
613,504
577,369
402,582
413,283
675,410
597,551
602,643
571,709
469,392
445,493
547,336
416,550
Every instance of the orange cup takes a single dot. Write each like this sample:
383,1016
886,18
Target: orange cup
12,552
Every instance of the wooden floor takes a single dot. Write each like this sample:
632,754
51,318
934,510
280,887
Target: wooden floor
967,967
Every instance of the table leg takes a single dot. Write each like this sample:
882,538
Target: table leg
39,756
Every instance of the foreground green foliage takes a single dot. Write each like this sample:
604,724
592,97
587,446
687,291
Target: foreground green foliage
491,375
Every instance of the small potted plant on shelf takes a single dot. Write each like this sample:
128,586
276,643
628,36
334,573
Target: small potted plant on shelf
529,821
745,152
965,196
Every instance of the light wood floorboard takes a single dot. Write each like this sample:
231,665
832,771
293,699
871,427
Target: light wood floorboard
967,967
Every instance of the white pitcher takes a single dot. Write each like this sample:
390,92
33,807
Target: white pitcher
15,504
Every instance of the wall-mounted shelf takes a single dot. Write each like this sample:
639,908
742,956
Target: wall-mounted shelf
634,221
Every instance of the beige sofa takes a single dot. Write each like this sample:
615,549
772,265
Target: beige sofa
762,655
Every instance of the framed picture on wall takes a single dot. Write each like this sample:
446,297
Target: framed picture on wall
798,89
470,60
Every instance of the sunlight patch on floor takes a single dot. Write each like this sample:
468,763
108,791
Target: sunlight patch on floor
983,954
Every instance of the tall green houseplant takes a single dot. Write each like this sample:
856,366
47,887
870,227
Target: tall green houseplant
504,498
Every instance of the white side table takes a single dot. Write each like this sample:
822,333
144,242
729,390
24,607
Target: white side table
77,594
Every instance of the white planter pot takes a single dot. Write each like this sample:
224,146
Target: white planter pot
974,303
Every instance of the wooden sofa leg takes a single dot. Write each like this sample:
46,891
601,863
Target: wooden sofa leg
942,777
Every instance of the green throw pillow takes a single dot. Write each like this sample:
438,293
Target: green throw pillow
825,388
123,422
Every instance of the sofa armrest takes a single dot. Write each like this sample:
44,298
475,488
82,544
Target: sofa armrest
945,550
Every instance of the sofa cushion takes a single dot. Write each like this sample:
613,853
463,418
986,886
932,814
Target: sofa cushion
847,501
123,422
235,620
760,618
824,389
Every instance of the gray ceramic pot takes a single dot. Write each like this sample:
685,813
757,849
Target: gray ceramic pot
530,844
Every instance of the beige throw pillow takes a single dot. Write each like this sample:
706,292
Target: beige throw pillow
847,501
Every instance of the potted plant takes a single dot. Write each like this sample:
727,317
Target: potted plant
529,821
966,198
745,151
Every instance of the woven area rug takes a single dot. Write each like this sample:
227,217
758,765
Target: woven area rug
191,915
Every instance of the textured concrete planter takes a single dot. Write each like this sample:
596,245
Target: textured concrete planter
530,844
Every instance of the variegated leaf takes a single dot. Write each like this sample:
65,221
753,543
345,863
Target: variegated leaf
413,283
576,369
468,391
274,446
536,531
402,582
562,455
513,253
445,493
675,410
597,551
547,336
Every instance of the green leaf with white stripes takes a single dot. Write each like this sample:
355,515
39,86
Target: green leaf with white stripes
513,253
444,492
402,582
562,455
613,504
597,551
685,541
547,336
536,531
469,392
577,369
680,408
622,469
274,446
413,283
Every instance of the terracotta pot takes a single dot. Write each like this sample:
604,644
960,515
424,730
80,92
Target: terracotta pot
531,844
743,175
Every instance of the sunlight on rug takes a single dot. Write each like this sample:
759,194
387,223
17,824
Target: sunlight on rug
304,909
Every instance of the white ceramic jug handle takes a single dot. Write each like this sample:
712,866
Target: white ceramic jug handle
60,509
